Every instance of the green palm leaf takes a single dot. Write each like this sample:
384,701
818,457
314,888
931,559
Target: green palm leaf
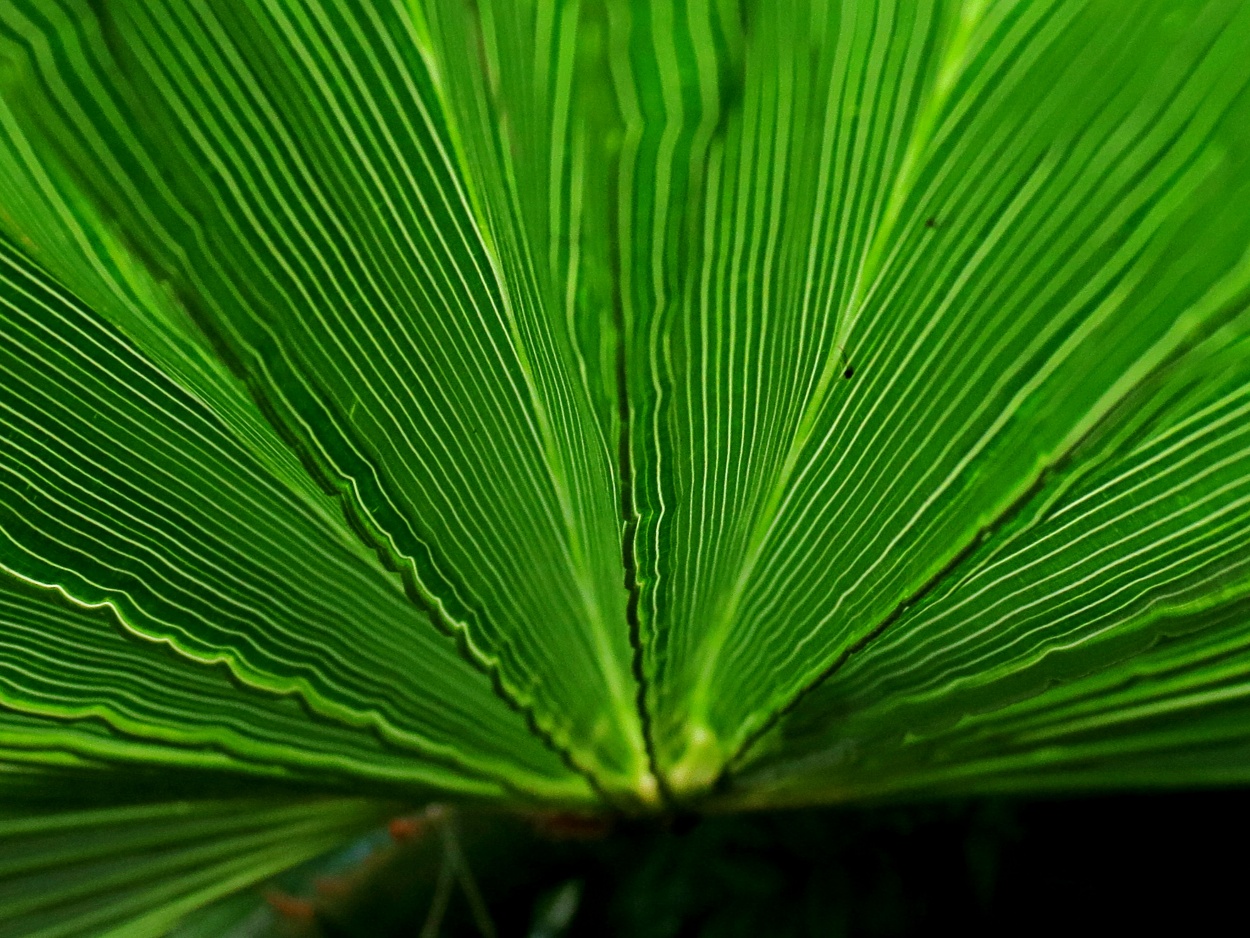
607,405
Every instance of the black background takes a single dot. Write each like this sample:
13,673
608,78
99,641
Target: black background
1109,864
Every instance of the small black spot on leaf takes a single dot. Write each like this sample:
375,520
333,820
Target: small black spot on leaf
849,373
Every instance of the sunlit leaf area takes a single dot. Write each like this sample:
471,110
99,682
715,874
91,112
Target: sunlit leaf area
575,412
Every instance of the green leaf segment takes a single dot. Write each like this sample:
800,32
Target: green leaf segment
607,405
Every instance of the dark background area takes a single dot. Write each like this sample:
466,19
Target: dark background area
1105,864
